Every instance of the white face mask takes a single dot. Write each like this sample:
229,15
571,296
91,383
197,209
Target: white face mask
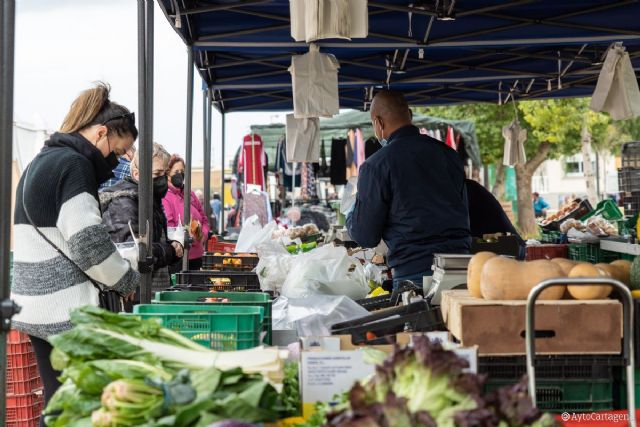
382,141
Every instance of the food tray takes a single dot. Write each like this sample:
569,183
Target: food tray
215,327
247,299
210,280
381,327
583,209
228,261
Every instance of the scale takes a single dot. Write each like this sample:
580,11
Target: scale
449,272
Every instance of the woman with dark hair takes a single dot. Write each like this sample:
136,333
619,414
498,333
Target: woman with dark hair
173,204
61,248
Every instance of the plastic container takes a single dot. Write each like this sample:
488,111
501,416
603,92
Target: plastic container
22,374
631,203
220,261
592,253
563,383
607,209
211,280
631,155
629,180
553,237
246,299
213,245
381,327
23,410
547,251
215,327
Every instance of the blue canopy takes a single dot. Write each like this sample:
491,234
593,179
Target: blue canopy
436,51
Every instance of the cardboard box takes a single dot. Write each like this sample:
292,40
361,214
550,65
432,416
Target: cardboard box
562,327
331,365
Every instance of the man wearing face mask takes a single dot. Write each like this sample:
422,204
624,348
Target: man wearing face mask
120,206
411,194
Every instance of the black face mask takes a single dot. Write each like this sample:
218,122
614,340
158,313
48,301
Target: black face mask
112,160
160,187
178,180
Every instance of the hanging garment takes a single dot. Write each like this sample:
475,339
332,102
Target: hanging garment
617,91
371,147
352,169
254,204
303,139
310,182
349,150
338,162
314,78
514,139
451,139
328,19
252,161
360,151
284,168
323,169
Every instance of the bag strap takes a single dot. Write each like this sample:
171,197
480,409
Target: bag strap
53,245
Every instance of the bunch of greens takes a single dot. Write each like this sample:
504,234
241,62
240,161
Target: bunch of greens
425,386
124,371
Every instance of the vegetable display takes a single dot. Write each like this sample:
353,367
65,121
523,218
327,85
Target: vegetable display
123,371
425,386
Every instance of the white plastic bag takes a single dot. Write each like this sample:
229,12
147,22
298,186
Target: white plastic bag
349,195
176,233
314,78
129,251
326,271
323,19
315,315
303,140
253,234
274,265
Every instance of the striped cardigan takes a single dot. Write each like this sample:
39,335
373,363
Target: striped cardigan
62,199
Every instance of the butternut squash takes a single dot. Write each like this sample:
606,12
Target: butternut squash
508,279
625,268
565,264
473,272
613,270
589,292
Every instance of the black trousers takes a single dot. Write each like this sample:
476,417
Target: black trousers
48,375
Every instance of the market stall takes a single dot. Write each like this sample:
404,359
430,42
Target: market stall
204,351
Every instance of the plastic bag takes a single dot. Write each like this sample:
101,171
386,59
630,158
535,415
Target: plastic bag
274,266
373,273
315,315
176,233
326,271
349,195
129,251
253,234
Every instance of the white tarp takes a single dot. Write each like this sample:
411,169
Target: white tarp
313,20
314,77
617,90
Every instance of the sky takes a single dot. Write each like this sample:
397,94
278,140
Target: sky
62,46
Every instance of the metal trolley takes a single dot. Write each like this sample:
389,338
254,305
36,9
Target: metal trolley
627,329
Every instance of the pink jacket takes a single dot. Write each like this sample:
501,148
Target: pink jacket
173,204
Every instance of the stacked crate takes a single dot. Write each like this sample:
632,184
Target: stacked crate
629,178
23,387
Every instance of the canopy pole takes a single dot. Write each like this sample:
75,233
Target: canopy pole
206,170
210,141
7,307
187,166
222,183
145,107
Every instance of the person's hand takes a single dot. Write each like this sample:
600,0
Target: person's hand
195,230
179,249
130,297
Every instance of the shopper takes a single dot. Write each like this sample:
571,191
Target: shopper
120,207
58,194
540,205
216,208
411,194
123,170
174,209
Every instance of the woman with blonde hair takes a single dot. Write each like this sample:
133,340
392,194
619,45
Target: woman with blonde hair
62,252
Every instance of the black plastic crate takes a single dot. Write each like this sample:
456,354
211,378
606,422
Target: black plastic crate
215,281
628,180
218,261
381,327
631,203
583,208
631,155
390,300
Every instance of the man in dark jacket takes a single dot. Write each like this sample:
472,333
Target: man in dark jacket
120,206
411,194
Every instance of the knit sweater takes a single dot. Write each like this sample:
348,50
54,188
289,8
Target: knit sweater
61,195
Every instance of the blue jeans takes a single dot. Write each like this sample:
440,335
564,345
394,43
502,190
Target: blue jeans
416,278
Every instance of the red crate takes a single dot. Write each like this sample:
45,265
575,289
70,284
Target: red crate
34,422
547,252
22,410
23,373
25,386
21,360
215,246
17,337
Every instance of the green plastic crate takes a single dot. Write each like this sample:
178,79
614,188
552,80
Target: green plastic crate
590,252
608,209
568,395
216,327
551,237
578,251
251,299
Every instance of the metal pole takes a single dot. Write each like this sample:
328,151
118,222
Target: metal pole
7,307
187,166
222,189
206,143
145,63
